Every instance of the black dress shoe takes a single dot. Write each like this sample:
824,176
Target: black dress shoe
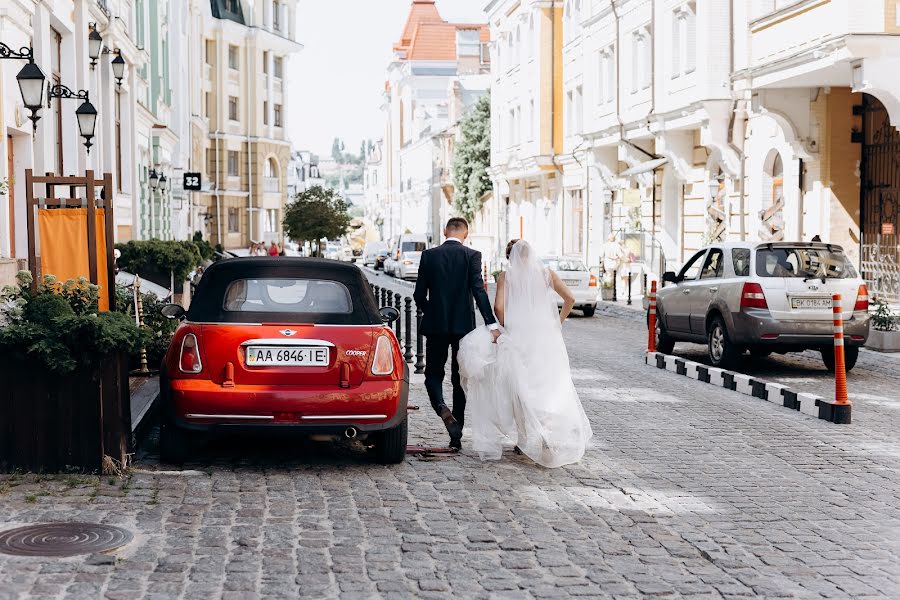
456,444
452,425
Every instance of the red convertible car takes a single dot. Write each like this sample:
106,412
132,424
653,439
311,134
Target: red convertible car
274,344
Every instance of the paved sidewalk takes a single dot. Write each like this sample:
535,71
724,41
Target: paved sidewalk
688,491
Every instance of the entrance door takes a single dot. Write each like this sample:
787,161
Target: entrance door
880,202
11,197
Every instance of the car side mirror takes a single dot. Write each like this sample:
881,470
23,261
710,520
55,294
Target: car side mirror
389,314
670,277
172,311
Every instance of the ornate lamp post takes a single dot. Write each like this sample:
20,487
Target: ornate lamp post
86,113
30,79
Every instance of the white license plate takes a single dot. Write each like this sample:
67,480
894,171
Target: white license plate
810,302
572,282
282,356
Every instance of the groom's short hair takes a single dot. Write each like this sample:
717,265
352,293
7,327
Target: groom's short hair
457,224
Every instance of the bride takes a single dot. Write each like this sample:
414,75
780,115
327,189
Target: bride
520,389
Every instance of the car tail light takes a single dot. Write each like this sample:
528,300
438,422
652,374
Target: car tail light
752,296
189,360
862,299
593,281
383,362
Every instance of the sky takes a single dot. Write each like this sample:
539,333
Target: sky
336,81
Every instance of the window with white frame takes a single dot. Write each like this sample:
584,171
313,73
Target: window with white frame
510,51
530,124
519,54
234,60
684,39
529,40
572,21
511,127
579,109
640,60
468,42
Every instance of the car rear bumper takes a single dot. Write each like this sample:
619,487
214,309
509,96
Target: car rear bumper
759,327
586,297
200,405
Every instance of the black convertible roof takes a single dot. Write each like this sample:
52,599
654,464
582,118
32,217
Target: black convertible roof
207,305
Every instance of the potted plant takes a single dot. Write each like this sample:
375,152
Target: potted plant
606,287
884,335
64,402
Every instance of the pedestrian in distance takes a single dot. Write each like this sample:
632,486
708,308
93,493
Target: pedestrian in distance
273,249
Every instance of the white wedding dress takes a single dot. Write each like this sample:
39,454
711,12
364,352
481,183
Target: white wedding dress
520,390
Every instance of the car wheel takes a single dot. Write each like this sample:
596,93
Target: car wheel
390,446
722,352
589,311
664,343
851,355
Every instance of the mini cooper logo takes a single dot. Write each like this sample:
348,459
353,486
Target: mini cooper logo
355,353
287,332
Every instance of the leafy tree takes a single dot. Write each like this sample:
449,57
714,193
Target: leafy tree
156,259
362,151
472,159
315,214
337,150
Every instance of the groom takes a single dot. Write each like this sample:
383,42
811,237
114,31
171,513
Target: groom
449,279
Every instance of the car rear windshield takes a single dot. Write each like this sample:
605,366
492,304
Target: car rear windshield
412,247
807,263
293,296
564,264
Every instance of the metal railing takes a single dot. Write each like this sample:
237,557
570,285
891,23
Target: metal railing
403,327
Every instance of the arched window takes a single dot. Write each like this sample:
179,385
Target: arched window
271,178
777,174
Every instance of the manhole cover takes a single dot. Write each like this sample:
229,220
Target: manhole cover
62,539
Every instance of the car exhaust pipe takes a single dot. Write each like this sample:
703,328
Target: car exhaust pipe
350,433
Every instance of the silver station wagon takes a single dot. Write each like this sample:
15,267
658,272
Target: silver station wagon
763,298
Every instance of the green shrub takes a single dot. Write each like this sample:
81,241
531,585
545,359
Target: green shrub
206,250
158,330
883,319
58,328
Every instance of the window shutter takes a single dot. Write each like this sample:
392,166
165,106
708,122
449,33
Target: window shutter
676,44
690,39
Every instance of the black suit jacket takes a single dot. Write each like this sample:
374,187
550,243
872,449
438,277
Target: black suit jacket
449,280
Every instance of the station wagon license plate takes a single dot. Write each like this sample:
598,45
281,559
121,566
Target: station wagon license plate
572,282
811,303
281,356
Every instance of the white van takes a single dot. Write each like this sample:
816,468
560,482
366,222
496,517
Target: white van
405,254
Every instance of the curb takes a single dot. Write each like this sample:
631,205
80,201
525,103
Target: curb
776,393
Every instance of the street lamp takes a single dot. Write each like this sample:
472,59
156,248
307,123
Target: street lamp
31,85
714,186
118,68
163,183
87,122
154,179
30,79
95,45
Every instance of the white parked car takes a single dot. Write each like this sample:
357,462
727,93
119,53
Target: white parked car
583,284
405,253
763,297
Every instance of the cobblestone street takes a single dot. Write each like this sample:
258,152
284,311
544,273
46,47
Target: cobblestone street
689,491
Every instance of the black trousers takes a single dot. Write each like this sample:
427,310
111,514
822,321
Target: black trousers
437,347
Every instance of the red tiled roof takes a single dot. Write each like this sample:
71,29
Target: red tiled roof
427,36
421,11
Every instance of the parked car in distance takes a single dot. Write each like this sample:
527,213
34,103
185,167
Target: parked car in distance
374,254
332,251
403,259
346,253
584,285
284,344
763,298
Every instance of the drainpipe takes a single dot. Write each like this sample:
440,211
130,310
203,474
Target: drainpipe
731,124
254,216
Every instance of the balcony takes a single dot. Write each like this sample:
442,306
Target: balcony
272,185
